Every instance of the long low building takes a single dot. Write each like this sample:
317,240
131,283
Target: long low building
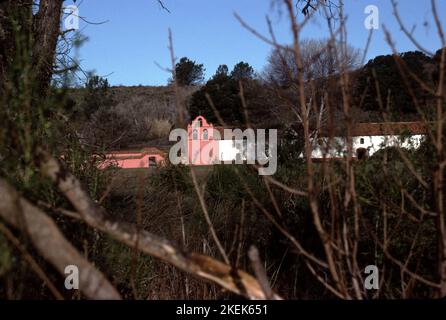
134,159
367,139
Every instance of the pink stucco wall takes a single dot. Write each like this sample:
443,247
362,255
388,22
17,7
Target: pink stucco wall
131,160
202,147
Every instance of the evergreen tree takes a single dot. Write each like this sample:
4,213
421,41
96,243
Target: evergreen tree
188,72
242,70
384,71
224,93
97,95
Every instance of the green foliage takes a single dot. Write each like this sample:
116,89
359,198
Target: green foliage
24,117
437,60
188,72
97,95
241,71
382,182
384,70
120,261
291,144
224,91
222,71
174,178
231,182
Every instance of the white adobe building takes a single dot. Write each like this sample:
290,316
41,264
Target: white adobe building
207,146
368,138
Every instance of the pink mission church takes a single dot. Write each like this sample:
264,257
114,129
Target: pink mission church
204,148
206,145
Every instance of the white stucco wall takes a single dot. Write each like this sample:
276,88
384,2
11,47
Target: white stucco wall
228,150
372,144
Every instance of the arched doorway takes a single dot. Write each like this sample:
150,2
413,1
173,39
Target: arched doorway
361,153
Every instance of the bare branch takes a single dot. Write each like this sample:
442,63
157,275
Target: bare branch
260,272
52,245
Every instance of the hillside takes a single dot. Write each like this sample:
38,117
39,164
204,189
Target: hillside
125,117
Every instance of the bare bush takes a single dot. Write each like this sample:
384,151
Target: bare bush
131,121
160,128
318,61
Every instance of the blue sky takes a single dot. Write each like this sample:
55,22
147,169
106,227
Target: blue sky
135,38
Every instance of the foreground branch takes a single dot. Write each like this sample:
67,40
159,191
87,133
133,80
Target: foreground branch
50,242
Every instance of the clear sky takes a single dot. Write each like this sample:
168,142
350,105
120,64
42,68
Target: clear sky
135,38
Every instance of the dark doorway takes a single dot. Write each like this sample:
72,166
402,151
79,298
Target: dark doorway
152,162
361,153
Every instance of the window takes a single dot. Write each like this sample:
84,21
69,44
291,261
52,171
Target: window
205,134
152,161
195,135
200,122
361,141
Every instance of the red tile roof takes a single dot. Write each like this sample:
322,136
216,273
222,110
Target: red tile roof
378,129
138,152
153,150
